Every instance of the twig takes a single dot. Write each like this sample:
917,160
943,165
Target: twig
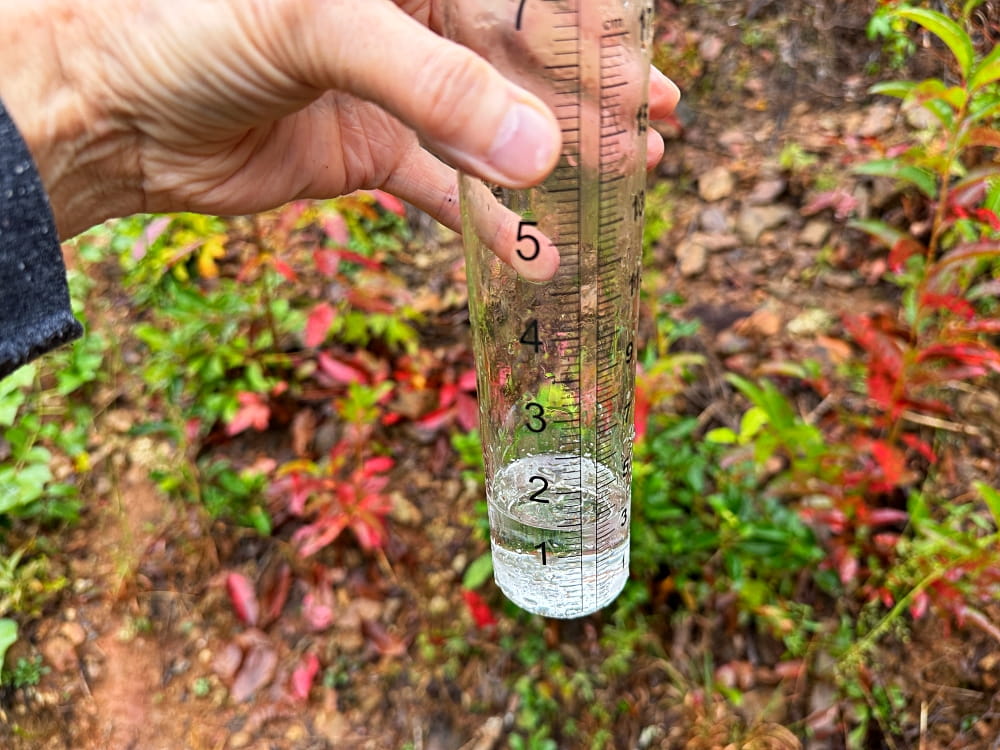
923,725
941,424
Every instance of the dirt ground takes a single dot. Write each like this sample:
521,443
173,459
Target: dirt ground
137,642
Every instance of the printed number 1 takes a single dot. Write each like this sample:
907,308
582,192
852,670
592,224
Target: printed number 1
520,15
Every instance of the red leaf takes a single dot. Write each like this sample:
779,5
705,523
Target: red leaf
336,229
340,372
481,613
285,270
377,465
243,597
921,447
318,324
848,568
467,381
436,419
314,537
389,202
153,231
275,583
902,250
967,354
919,605
257,669
317,608
384,642
887,516
361,260
987,216
327,262
952,302
253,412
467,413
839,199
303,677
891,461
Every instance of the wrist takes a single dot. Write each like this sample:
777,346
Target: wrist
50,85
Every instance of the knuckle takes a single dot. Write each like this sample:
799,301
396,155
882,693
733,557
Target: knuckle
452,82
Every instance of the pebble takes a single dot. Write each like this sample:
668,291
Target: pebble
810,322
814,233
692,257
753,221
843,280
879,119
920,118
59,653
716,184
714,220
404,512
766,191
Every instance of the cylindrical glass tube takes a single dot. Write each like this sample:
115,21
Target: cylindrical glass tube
556,360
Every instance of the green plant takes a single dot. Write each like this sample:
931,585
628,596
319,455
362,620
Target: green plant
25,673
26,580
699,528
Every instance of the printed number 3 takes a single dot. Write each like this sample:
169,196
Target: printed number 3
520,14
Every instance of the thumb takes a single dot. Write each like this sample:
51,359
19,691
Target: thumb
460,106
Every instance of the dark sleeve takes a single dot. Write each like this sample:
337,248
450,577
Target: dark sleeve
35,314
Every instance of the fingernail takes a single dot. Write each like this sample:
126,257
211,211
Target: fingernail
525,146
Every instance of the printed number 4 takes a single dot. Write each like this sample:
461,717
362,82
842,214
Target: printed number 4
520,14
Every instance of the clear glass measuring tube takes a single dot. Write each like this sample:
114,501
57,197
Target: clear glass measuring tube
556,360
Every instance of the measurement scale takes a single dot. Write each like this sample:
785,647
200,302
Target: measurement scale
556,361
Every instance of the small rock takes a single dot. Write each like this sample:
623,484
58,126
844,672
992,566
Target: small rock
59,653
404,512
766,191
714,220
710,48
240,740
73,632
810,322
296,733
717,243
814,233
753,221
716,184
920,118
843,280
729,342
692,257
438,605
763,322
879,120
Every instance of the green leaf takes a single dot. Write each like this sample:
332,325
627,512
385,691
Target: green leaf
8,637
479,572
898,89
986,71
751,423
948,31
721,435
887,234
992,499
922,179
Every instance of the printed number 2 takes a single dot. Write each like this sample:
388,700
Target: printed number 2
520,14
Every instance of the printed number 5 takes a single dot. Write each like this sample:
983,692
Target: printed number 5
523,236
520,14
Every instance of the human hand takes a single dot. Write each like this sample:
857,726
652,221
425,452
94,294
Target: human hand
235,106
